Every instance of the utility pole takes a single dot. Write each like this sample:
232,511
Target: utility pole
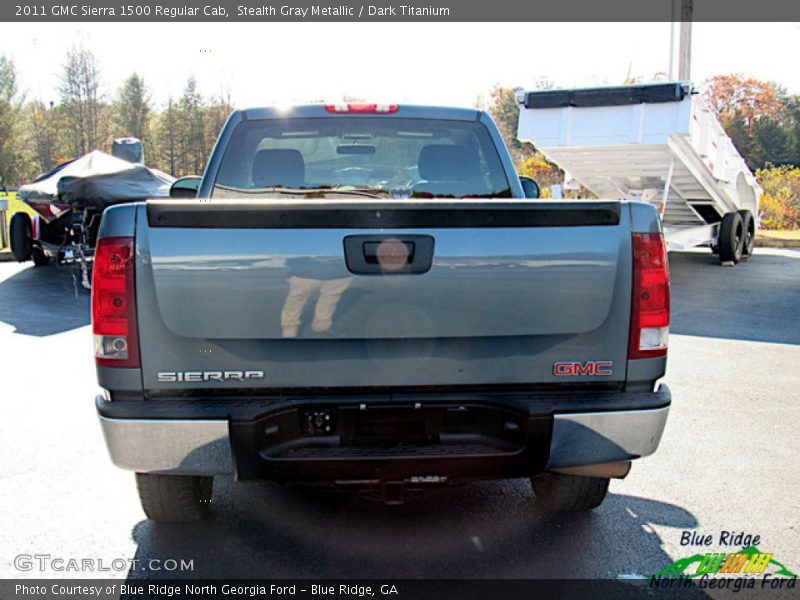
671,70
685,51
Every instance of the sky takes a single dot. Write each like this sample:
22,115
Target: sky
427,63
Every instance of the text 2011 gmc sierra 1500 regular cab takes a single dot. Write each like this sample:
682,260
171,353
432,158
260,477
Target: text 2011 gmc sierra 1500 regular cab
362,295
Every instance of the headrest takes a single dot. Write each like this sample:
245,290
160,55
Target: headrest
283,168
440,162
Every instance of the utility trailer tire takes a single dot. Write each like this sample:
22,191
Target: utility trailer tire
749,228
21,234
40,259
561,492
731,238
174,498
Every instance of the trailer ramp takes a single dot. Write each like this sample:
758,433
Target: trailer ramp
659,143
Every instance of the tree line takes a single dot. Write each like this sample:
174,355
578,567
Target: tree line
762,119
36,136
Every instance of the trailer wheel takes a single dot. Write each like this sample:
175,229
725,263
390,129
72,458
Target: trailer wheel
21,234
561,492
731,238
174,498
749,227
40,259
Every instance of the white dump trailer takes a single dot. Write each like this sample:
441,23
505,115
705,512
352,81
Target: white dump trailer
658,143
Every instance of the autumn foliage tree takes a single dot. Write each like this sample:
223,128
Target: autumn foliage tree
759,117
780,204
530,162
764,124
505,111
543,172
740,97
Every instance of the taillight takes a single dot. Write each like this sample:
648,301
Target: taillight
650,300
116,341
362,108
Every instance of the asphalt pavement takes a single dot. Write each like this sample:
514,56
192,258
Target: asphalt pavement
728,461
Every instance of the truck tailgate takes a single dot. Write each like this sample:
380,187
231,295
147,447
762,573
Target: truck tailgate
321,293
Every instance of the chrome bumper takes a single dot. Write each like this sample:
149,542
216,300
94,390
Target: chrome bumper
180,447
605,437
202,447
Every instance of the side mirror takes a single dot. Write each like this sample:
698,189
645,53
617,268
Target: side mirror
530,187
185,187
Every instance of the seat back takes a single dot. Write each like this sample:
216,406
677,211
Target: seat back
278,168
448,169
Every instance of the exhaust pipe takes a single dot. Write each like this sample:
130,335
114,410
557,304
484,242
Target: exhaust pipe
615,470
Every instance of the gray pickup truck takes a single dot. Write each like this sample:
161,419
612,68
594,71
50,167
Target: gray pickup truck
363,296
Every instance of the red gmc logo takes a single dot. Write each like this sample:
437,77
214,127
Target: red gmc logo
570,368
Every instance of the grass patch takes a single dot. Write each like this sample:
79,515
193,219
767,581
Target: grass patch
783,234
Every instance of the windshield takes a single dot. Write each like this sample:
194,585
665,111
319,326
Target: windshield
361,156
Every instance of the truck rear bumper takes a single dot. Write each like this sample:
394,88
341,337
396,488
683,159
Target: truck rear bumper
435,438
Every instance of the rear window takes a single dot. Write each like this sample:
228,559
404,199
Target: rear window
371,156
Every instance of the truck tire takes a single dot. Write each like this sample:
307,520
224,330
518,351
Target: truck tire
21,235
561,492
749,228
731,238
174,498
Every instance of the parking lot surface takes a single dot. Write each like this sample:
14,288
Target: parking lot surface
728,461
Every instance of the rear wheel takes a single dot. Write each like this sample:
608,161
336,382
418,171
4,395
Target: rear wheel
174,498
731,238
21,234
561,492
749,227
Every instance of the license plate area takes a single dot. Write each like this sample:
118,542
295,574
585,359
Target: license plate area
390,441
387,426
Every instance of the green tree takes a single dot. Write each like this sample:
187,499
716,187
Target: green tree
792,106
80,97
163,138
217,112
772,141
758,116
736,127
192,128
44,135
11,156
132,108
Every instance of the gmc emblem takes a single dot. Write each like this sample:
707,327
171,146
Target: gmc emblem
570,368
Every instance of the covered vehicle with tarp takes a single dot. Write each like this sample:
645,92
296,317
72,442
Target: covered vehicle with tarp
70,199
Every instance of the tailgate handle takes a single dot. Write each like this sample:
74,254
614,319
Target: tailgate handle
387,254
393,251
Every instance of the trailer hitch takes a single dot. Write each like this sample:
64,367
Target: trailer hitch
393,493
